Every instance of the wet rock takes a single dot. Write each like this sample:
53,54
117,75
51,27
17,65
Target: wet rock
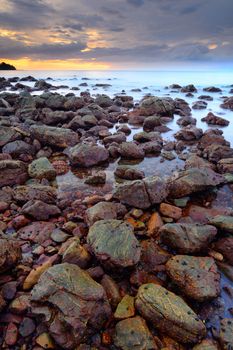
226,333
197,162
113,243
40,210
212,89
42,85
214,152
125,308
223,222
78,302
170,210
7,135
142,194
225,247
151,122
225,165
152,147
128,173
189,88
212,119
199,105
27,193
205,97
156,105
133,333
131,150
227,103
206,344
57,137
10,254
16,148
187,120
212,136
12,172
103,101
42,168
86,155
98,178
197,277
193,180
187,238
182,107
189,133
104,211
143,136
169,313
118,137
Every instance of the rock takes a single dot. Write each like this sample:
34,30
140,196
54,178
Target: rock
197,277
59,236
10,254
76,254
125,308
215,152
225,165
187,238
133,333
223,222
98,178
113,243
104,211
151,122
112,290
8,134
154,224
189,133
227,103
212,89
85,155
187,120
142,194
128,173
170,210
118,137
199,105
27,193
37,232
40,210
143,136
56,137
189,88
169,313
27,327
42,168
152,147
80,304
131,150
152,257
226,333
225,246
42,85
35,273
103,101
156,105
45,341
16,148
193,180
20,305
11,335
212,119
206,344
12,172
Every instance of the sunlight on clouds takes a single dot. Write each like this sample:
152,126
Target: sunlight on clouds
212,46
18,36
26,63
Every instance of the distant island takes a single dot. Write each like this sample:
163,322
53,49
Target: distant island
6,66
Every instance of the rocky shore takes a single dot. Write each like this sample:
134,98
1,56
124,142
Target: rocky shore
116,259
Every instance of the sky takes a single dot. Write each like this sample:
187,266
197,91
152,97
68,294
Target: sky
115,34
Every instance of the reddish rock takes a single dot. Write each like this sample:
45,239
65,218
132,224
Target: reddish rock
170,210
11,335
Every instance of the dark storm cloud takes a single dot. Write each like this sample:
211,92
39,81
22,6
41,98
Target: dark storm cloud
131,30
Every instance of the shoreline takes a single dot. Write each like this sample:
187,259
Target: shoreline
136,195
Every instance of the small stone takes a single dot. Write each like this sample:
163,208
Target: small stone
125,308
170,210
11,334
45,341
59,236
154,224
27,327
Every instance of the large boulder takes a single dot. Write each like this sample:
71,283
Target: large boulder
215,152
187,238
10,253
157,105
78,304
142,193
12,172
212,119
114,244
57,137
197,277
133,333
193,180
86,155
169,313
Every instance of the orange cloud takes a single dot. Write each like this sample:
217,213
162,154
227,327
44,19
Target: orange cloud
28,64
